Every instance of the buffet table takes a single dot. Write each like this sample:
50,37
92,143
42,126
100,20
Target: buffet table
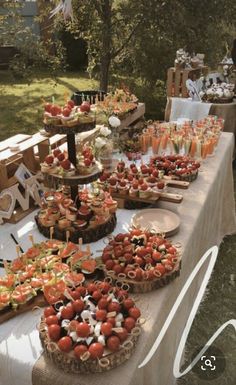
227,111
207,214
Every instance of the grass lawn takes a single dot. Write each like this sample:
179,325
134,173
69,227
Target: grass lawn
21,103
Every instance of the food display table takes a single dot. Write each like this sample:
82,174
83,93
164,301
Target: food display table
207,214
227,111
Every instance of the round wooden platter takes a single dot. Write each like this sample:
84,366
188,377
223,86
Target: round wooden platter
76,179
144,286
63,129
88,235
68,363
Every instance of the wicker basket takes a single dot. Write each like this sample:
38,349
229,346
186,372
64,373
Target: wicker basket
68,363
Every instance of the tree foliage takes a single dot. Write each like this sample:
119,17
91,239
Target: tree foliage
32,52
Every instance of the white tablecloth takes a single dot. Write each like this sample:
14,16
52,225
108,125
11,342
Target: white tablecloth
186,108
207,213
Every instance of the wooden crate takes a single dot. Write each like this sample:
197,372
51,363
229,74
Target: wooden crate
32,150
176,80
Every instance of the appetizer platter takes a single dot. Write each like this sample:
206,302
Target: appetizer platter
92,220
94,329
41,274
148,183
142,260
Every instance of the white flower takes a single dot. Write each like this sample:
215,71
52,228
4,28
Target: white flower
105,131
114,121
99,142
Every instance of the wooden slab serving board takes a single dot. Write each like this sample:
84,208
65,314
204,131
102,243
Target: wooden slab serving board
9,313
175,198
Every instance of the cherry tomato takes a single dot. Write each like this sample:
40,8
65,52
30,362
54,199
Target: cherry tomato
97,295
65,344
104,287
73,325
75,295
54,332
138,274
172,250
49,311
117,268
129,323
106,329
122,294
156,256
79,350
113,343
68,312
109,264
81,290
96,350
128,257
78,305
83,329
51,320
91,288
102,303
101,315
134,312
122,335
160,269
128,303
106,256
114,306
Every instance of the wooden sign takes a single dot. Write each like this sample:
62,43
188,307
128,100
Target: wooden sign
9,196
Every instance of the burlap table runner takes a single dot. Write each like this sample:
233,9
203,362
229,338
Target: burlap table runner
207,213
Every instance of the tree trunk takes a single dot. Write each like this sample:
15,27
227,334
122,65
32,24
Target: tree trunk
106,44
104,73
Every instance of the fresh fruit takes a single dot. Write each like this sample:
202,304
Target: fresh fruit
134,312
65,344
54,332
79,350
87,162
106,329
96,350
66,112
51,320
71,103
61,157
49,159
66,164
67,312
47,107
83,329
101,315
56,152
113,343
78,305
49,311
85,107
129,323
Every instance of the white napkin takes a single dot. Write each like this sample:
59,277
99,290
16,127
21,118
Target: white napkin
186,108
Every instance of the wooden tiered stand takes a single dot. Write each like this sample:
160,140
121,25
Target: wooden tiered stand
90,234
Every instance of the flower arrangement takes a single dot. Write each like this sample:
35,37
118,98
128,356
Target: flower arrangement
103,142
